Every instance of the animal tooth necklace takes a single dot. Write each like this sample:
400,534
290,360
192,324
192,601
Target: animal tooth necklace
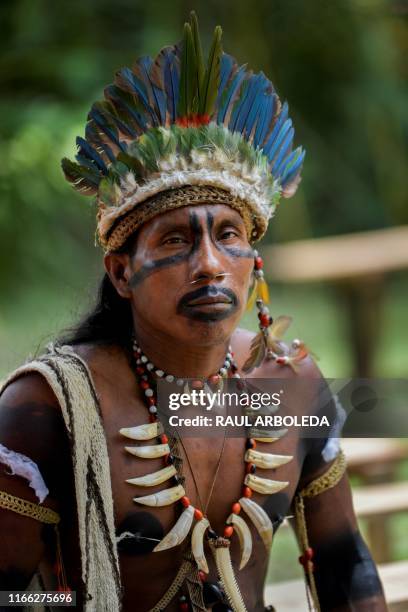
147,375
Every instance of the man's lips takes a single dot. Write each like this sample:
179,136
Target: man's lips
209,300
208,303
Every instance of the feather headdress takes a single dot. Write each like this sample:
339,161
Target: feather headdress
174,122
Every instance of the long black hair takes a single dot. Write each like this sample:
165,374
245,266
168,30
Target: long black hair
110,320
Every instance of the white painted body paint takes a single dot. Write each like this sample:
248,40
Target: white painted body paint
20,465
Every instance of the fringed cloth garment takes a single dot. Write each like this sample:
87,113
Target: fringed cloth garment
70,380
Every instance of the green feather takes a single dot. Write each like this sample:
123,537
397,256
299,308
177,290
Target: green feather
212,76
83,179
198,53
188,75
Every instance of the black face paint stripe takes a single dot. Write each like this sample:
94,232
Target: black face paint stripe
152,266
229,250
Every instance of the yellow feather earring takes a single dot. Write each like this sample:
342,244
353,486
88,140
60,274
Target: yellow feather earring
260,288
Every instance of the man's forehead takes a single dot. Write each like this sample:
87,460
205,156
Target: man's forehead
201,212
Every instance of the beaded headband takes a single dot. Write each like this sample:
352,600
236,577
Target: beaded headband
173,132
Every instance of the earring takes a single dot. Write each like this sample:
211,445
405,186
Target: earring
260,288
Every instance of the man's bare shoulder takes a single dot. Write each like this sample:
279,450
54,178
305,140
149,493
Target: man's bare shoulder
105,362
306,368
31,424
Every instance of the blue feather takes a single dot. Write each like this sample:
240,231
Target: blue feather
118,99
244,116
132,84
85,150
110,131
264,120
171,79
226,68
155,94
291,173
270,142
228,95
285,149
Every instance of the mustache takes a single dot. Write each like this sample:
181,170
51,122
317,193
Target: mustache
207,291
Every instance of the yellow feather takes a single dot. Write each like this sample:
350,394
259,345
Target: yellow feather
252,297
263,292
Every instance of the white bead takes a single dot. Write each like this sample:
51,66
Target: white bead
223,371
180,382
149,366
152,409
149,392
138,361
144,359
227,364
159,373
170,378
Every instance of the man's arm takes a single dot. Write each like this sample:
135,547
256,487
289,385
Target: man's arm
30,424
344,571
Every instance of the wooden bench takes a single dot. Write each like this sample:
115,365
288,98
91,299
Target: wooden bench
290,596
374,459
357,265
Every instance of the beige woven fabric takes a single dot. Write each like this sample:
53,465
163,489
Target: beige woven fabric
70,381
176,198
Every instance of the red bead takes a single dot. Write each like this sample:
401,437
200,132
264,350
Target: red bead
202,575
144,384
236,508
214,379
197,384
246,491
151,401
228,531
185,501
264,319
184,607
249,468
164,439
309,554
258,263
140,370
152,418
198,515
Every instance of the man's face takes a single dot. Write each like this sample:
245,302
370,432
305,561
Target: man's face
190,274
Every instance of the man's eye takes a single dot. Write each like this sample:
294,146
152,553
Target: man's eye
174,240
227,234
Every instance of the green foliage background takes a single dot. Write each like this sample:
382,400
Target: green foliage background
341,65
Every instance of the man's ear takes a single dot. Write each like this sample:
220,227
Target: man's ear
117,266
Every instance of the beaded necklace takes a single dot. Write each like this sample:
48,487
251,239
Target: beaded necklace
172,470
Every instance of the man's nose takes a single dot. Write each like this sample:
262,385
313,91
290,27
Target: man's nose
207,261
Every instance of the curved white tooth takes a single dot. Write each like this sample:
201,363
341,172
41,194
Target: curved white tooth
244,536
264,485
197,544
155,478
142,432
260,519
226,573
162,498
272,434
179,532
266,460
149,452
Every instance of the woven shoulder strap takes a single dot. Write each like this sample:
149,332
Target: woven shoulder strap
70,380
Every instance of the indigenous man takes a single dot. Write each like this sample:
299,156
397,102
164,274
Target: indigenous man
187,162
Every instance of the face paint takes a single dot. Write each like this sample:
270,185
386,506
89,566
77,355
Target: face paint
345,571
229,250
208,303
152,266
